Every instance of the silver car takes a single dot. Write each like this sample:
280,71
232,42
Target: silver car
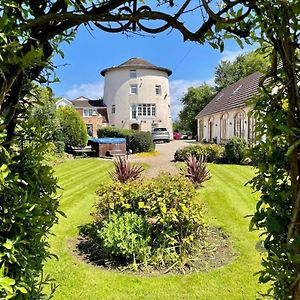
161,134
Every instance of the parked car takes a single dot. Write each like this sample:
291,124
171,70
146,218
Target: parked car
160,134
177,135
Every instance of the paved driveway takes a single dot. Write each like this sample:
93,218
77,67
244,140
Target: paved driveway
163,161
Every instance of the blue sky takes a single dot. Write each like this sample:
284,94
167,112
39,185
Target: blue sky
191,63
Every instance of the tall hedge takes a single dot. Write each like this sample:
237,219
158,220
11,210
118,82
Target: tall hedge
28,210
73,128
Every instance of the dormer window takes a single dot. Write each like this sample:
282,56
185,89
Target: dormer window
133,74
237,89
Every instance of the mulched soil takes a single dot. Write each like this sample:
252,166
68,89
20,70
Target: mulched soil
216,252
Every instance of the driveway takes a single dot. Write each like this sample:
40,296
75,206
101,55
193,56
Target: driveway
163,161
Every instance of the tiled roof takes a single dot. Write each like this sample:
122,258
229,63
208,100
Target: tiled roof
86,103
233,96
103,112
136,63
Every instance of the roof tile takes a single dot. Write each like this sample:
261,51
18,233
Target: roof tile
233,96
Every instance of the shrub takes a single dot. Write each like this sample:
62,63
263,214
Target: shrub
126,236
136,141
72,127
235,150
115,132
60,147
213,152
196,169
141,141
125,171
28,210
167,203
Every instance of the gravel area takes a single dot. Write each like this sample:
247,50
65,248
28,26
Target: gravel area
163,161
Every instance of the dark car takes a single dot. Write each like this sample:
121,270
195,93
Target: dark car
160,134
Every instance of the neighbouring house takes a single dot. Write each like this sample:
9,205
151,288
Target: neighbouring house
93,112
63,102
137,95
226,116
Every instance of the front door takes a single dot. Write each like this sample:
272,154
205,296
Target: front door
135,126
89,129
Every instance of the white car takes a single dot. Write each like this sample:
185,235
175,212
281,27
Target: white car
160,134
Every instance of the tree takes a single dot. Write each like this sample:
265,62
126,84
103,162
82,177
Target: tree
193,102
73,129
245,64
44,112
32,31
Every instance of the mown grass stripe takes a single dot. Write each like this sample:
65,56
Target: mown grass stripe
227,201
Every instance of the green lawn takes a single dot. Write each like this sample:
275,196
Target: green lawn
227,200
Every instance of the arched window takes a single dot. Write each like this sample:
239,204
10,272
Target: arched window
251,131
239,124
224,128
201,130
210,129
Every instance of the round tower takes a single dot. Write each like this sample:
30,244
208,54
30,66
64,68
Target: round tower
137,95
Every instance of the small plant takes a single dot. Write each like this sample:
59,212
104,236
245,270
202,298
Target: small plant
126,236
196,169
125,171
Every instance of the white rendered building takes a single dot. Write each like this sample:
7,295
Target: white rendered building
137,95
228,114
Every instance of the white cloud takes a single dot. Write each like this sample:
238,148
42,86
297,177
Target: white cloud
231,55
178,88
92,90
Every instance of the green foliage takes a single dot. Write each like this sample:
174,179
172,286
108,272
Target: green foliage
236,150
193,102
44,112
167,203
228,72
115,132
212,152
136,141
72,127
28,211
141,142
126,236
125,171
196,169
60,147
273,210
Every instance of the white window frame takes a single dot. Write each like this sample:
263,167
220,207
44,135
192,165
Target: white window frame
224,128
133,89
142,110
88,112
239,124
158,90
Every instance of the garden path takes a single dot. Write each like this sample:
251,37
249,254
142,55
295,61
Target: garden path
164,161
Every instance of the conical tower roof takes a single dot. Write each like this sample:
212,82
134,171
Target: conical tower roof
136,63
